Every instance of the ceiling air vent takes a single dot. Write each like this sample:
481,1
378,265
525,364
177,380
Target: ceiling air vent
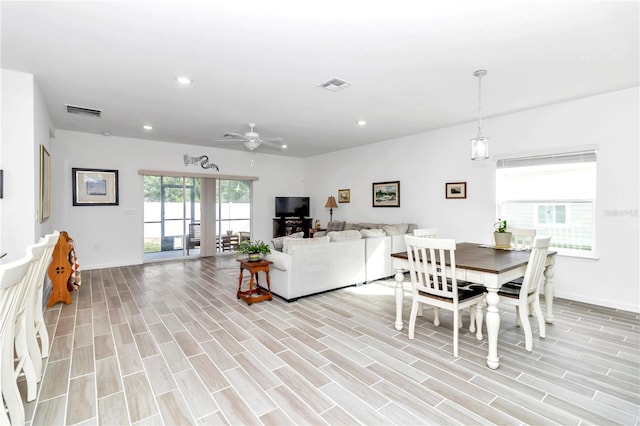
73,109
335,84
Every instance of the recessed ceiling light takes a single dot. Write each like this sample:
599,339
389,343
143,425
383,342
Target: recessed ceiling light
284,146
184,80
362,123
147,127
106,134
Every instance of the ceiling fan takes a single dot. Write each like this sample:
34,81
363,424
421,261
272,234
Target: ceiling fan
252,139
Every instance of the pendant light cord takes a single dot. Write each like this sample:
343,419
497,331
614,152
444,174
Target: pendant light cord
480,106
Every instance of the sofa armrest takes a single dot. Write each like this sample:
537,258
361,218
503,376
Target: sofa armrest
280,260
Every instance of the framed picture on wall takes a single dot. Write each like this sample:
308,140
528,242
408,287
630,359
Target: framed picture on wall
94,187
456,190
344,195
386,194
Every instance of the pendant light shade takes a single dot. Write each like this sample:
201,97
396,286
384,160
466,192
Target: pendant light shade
480,144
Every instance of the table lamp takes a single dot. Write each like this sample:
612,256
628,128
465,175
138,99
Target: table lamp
331,203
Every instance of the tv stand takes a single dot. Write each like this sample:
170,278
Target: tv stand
283,226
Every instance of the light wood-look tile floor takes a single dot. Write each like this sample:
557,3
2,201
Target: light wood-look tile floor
169,343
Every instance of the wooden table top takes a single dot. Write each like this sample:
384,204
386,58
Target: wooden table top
479,257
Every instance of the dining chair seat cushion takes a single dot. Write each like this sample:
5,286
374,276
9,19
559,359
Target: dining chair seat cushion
463,293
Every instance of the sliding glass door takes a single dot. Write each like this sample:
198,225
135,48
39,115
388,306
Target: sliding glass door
171,212
233,208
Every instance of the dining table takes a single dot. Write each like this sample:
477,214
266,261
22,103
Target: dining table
492,267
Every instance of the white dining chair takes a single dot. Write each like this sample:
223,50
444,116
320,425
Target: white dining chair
528,294
425,232
24,364
521,239
435,284
34,306
12,279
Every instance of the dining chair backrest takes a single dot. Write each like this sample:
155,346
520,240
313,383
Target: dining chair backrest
535,267
522,239
425,232
11,275
428,258
12,285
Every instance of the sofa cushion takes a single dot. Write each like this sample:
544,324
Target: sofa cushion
337,225
397,229
364,225
278,242
291,243
372,233
351,234
411,227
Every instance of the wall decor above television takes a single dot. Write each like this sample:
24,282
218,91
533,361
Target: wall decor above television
292,206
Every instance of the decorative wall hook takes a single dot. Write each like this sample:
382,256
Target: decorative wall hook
203,160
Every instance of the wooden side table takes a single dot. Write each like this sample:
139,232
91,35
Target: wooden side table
312,231
256,294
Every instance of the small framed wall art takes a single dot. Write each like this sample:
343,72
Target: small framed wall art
456,189
386,194
344,195
94,187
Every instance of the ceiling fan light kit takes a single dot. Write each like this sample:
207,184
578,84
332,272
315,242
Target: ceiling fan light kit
252,139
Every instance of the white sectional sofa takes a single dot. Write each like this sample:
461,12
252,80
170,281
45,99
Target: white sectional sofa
312,266
335,259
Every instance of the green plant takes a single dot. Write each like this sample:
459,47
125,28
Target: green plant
257,246
500,225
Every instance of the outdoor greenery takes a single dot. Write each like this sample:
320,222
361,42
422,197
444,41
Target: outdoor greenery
234,191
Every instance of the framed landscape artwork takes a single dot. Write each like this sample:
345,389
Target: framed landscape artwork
386,194
456,190
344,195
94,187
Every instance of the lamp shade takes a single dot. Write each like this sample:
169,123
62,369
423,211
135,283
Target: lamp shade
331,202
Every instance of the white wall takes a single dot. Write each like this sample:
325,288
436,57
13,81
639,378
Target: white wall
112,235
25,125
423,163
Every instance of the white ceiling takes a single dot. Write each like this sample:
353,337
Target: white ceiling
410,63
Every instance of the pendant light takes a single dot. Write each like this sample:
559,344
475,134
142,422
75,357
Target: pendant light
480,144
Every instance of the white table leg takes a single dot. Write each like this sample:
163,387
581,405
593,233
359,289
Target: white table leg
399,277
493,327
548,292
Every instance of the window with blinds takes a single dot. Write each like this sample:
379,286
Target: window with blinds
553,194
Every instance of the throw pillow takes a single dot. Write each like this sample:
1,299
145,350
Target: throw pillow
372,233
337,225
278,242
344,235
398,229
290,244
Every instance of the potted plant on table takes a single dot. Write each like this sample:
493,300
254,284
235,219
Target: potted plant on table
501,236
254,249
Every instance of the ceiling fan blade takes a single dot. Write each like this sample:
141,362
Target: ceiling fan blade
276,139
229,140
270,144
235,135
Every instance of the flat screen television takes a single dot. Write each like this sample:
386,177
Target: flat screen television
292,206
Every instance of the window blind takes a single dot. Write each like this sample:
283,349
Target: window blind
586,156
